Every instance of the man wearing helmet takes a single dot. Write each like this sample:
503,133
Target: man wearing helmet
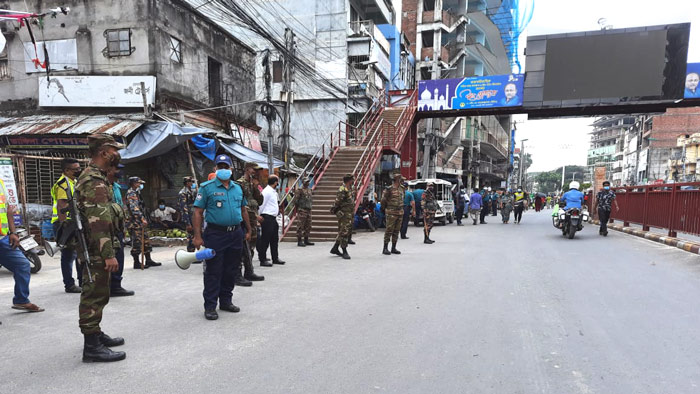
573,198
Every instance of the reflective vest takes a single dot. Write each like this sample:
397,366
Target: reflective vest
54,193
4,223
519,196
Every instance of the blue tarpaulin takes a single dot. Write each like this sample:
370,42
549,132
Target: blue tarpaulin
247,154
206,146
155,139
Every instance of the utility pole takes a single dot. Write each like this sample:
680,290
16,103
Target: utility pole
288,79
522,162
268,110
563,171
429,135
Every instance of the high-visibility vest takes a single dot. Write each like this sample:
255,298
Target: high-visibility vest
54,193
519,196
4,221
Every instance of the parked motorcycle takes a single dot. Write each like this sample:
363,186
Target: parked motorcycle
364,218
570,221
31,250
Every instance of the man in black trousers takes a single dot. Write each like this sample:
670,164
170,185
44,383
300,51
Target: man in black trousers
270,229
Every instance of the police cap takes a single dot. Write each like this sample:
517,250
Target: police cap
135,179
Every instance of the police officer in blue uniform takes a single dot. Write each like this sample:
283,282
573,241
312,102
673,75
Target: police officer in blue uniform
225,205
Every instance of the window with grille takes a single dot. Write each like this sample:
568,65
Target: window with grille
4,64
118,42
40,175
175,50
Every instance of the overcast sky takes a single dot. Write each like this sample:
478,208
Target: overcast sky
556,142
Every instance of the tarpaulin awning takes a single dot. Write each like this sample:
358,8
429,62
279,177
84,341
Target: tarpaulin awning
155,139
247,154
206,146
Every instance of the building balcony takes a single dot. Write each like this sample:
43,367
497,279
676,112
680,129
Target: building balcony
439,16
492,170
380,11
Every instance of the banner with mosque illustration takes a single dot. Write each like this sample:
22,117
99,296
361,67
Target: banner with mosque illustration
492,91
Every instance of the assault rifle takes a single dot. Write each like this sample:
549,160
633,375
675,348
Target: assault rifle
76,226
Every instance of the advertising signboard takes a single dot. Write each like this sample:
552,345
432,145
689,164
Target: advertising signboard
473,92
96,91
8,177
692,77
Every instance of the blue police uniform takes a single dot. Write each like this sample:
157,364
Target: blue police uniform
407,199
225,235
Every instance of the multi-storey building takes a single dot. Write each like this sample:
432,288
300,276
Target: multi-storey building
454,39
607,145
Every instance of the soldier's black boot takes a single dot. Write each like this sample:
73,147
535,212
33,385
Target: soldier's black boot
300,242
426,238
307,242
150,262
137,263
393,248
95,351
345,254
350,241
334,249
386,248
109,341
249,272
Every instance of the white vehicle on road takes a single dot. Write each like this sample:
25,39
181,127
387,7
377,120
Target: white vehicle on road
443,196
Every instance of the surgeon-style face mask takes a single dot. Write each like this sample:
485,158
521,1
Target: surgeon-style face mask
606,187
162,207
141,187
223,174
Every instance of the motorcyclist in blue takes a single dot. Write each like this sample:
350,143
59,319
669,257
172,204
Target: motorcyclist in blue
573,198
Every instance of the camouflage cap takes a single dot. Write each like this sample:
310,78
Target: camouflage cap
398,175
96,141
252,164
306,181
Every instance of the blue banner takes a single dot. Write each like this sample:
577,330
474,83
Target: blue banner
492,91
692,77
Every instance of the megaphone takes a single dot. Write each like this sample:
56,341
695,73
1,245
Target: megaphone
51,248
184,259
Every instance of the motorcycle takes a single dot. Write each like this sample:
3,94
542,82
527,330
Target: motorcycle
31,250
570,221
364,218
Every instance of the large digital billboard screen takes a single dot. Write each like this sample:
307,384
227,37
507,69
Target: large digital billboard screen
607,67
492,91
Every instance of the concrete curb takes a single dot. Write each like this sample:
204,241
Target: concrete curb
682,244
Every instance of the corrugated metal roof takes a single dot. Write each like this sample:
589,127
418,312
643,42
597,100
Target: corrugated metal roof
117,125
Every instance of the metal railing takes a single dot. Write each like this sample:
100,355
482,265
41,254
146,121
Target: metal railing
674,206
319,161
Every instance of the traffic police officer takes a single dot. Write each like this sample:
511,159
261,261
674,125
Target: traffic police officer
225,205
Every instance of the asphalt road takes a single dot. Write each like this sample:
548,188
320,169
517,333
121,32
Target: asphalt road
487,309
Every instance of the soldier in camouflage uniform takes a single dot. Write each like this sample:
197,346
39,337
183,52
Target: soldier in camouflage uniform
249,183
138,224
344,208
304,203
392,205
185,199
95,200
429,206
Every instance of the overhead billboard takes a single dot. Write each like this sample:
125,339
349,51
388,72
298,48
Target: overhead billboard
96,91
612,67
692,78
492,91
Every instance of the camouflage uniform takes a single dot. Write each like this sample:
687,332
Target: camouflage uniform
429,206
136,227
304,204
100,215
392,203
255,198
345,206
185,199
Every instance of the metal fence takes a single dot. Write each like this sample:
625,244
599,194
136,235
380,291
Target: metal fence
674,207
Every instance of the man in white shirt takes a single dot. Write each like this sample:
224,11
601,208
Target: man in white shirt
270,229
163,216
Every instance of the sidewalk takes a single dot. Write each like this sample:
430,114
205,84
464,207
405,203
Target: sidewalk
688,243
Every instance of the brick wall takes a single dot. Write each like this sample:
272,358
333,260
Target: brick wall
409,22
676,121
